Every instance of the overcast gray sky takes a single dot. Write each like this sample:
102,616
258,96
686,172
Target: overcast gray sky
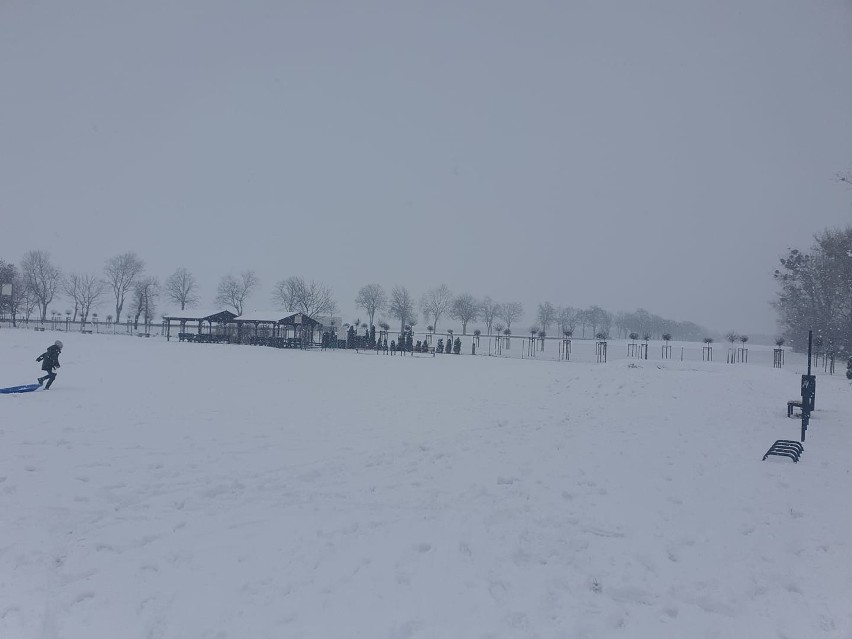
660,153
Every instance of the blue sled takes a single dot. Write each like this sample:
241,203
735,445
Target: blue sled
26,388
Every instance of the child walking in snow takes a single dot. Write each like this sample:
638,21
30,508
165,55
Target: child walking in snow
49,361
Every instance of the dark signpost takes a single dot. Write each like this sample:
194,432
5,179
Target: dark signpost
808,390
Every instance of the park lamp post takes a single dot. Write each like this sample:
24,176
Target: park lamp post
67,319
95,317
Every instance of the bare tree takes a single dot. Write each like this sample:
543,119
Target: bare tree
85,289
42,278
509,312
71,287
314,299
7,276
567,319
546,315
234,292
401,305
23,299
9,295
434,303
488,310
600,318
372,298
145,293
181,288
465,308
122,272
91,288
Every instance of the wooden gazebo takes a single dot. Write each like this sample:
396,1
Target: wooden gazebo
221,318
271,328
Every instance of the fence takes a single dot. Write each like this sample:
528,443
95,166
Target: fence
513,346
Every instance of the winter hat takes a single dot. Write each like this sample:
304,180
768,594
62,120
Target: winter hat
58,344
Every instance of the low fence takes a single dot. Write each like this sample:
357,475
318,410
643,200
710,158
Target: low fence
515,346
67,325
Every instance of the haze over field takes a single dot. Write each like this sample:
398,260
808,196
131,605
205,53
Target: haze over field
657,154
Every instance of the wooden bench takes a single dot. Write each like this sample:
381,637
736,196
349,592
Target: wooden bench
86,331
793,403
38,328
143,334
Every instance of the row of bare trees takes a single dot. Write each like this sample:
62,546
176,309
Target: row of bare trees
440,301
433,305
295,293
37,282
34,285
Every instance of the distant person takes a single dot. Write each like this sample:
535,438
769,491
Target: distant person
49,361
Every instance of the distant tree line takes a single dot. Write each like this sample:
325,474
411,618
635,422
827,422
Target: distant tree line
499,317
133,293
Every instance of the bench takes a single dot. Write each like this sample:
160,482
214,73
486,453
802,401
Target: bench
793,403
86,331
140,334
38,328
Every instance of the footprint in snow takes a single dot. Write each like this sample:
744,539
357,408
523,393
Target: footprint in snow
84,596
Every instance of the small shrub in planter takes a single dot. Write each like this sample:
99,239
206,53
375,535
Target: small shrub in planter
440,347
457,346
634,336
667,337
779,342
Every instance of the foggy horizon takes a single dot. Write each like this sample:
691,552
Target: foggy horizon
658,156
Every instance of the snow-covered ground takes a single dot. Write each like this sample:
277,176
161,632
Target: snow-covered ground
181,491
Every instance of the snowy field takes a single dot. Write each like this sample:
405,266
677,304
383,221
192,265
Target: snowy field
183,491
